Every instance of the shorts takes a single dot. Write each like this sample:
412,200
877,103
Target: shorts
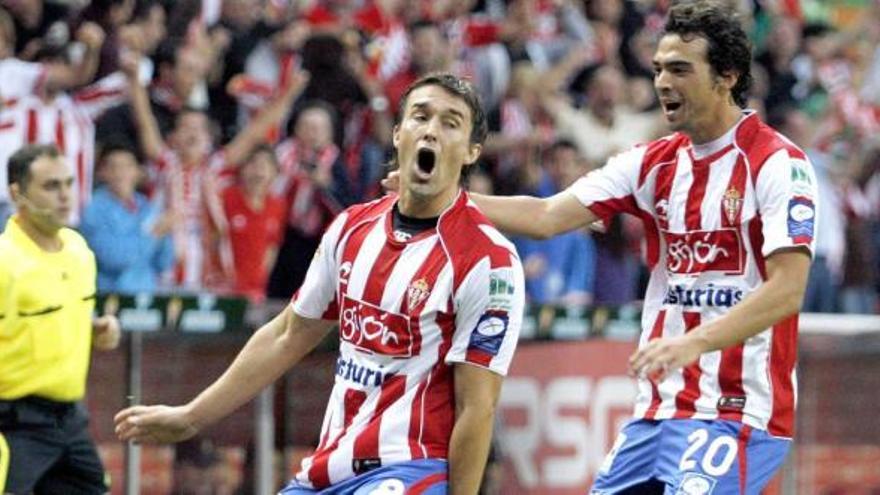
690,457
418,477
45,448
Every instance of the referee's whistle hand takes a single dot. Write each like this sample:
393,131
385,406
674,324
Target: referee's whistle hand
154,424
106,332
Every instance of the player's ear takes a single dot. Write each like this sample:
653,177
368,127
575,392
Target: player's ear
395,135
474,151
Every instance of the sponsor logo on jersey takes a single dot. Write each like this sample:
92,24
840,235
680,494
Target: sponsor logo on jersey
374,330
732,204
801,219
365,376
704,251
416,293
696,484
710,296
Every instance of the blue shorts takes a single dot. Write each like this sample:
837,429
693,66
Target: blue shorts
422,476
685,456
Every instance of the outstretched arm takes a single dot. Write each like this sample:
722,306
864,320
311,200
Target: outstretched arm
271,351
270,115
476,393
149,136
540,218
62,76
779,297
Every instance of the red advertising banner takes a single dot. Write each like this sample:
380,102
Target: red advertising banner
560,409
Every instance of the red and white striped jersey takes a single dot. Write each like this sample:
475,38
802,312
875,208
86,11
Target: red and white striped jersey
67,121
408,309
192,192
712,214
20,78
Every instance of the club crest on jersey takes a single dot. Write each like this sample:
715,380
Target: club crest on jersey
732,204
416,293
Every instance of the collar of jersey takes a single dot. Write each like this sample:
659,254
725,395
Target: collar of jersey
389,225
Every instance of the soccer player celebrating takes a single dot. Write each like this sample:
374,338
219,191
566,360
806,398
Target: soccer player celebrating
428,297
729,207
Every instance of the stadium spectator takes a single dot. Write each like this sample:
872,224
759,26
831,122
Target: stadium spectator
255,227
520,131
559,271
430,53
314,183
716,324
179,70
38,23
129,234
185,167
426,256
605,126
51,116
47,299
22,78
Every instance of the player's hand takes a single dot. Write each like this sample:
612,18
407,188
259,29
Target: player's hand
105,336
155,424
392,182
662,356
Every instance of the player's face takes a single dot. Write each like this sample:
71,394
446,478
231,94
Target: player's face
47,199
691,94
433,144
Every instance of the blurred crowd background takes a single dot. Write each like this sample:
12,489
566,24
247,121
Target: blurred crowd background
213,140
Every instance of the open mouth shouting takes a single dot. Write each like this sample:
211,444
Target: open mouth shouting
672,108
426,162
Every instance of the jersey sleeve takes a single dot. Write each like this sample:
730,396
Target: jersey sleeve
787,201
21,78
490,304
316,298
612,188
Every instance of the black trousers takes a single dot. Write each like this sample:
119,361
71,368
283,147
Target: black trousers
48,449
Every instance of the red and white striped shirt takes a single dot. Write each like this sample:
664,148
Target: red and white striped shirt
20,78
67,121
407,311
712,214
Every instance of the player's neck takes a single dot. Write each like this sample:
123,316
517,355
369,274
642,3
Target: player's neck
717,125
418,206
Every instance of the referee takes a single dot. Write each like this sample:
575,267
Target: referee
47,295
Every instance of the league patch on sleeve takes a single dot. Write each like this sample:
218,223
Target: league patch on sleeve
801,219
487,337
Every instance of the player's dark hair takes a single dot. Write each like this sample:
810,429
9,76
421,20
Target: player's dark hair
460,88
729,48
18,169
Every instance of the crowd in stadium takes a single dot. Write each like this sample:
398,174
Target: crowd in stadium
213,140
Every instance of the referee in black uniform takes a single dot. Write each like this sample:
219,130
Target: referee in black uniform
47,296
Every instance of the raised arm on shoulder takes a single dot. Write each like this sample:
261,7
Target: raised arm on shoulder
540,218
272,350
